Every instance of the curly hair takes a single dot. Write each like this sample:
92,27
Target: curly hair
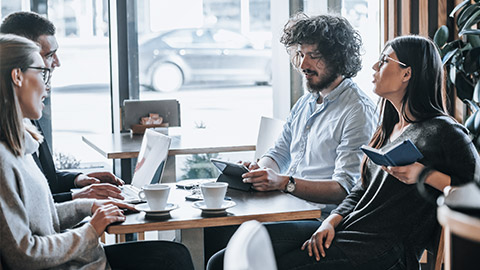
337,42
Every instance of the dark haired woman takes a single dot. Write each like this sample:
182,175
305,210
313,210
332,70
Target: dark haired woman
33,229
384,223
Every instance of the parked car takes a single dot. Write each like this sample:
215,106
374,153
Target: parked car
187,56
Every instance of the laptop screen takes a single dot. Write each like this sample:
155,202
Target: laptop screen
151,158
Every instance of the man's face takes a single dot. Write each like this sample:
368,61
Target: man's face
318,76
49,46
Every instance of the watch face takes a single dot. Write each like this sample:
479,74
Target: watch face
290,187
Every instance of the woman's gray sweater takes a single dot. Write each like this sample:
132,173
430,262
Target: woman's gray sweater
386,213
33,231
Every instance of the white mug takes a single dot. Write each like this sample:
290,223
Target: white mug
156,196
214,194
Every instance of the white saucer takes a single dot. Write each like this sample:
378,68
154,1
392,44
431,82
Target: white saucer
225,205
144,207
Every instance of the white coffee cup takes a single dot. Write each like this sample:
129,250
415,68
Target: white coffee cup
156,196
214,194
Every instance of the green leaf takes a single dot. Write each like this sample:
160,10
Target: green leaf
474,19
441,36
458,7
448,56
474,39
452,74
465,14
476,92
470,32
467,47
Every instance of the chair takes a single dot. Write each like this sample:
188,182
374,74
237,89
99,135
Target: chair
433,255
250,248
268,132
134,110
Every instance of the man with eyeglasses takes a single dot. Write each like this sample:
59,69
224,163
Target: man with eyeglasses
98,185
317,156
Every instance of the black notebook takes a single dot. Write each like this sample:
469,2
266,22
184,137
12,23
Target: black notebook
232,174
400,154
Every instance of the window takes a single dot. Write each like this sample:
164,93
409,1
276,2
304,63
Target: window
215,58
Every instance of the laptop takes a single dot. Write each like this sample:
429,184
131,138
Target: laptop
150,164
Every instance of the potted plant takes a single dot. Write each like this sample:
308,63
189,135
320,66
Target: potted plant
461,58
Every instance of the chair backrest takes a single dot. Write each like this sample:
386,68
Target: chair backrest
250,248
134,110
435,252
268,132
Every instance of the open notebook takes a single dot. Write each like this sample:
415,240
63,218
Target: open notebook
150,164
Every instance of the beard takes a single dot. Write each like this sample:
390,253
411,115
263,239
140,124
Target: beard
324,82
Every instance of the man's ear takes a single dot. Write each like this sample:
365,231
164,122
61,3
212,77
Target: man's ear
407,74
17,77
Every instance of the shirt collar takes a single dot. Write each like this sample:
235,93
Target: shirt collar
344,85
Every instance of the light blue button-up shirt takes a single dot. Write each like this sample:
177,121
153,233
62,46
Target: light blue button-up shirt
323,142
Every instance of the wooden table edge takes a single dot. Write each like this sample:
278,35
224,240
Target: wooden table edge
212,222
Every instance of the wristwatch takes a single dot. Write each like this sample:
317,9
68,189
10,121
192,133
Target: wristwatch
290,188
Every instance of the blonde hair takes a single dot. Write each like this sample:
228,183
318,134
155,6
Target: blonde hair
15,52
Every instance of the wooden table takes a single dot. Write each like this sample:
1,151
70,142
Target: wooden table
125,146
261,206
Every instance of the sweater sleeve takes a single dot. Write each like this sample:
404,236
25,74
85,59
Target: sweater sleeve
72,212
27,249
460,155
351,201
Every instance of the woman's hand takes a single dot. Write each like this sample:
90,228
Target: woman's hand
320,240
407,174
106,212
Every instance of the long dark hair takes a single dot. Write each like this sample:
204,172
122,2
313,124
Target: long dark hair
425,94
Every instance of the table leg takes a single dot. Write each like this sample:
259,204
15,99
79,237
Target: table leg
193,240
120,238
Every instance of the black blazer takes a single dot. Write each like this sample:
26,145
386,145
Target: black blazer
60,182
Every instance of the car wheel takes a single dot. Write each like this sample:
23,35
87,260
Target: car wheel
167,77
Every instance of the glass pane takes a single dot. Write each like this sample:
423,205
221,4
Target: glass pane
364,15
80,97
214,57
81,85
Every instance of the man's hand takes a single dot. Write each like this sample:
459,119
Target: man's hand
407,174
106,212
98,191
250,165
83,180
265,179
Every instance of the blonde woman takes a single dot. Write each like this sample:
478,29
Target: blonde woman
33,229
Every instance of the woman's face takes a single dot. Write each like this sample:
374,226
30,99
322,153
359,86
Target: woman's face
30,89
391,76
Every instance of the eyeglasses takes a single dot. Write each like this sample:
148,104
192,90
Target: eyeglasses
297,57
46,73
384,58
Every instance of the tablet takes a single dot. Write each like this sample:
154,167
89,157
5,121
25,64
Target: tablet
230,168
231,173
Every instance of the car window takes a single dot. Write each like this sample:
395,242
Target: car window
188,38
229,39
178,38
